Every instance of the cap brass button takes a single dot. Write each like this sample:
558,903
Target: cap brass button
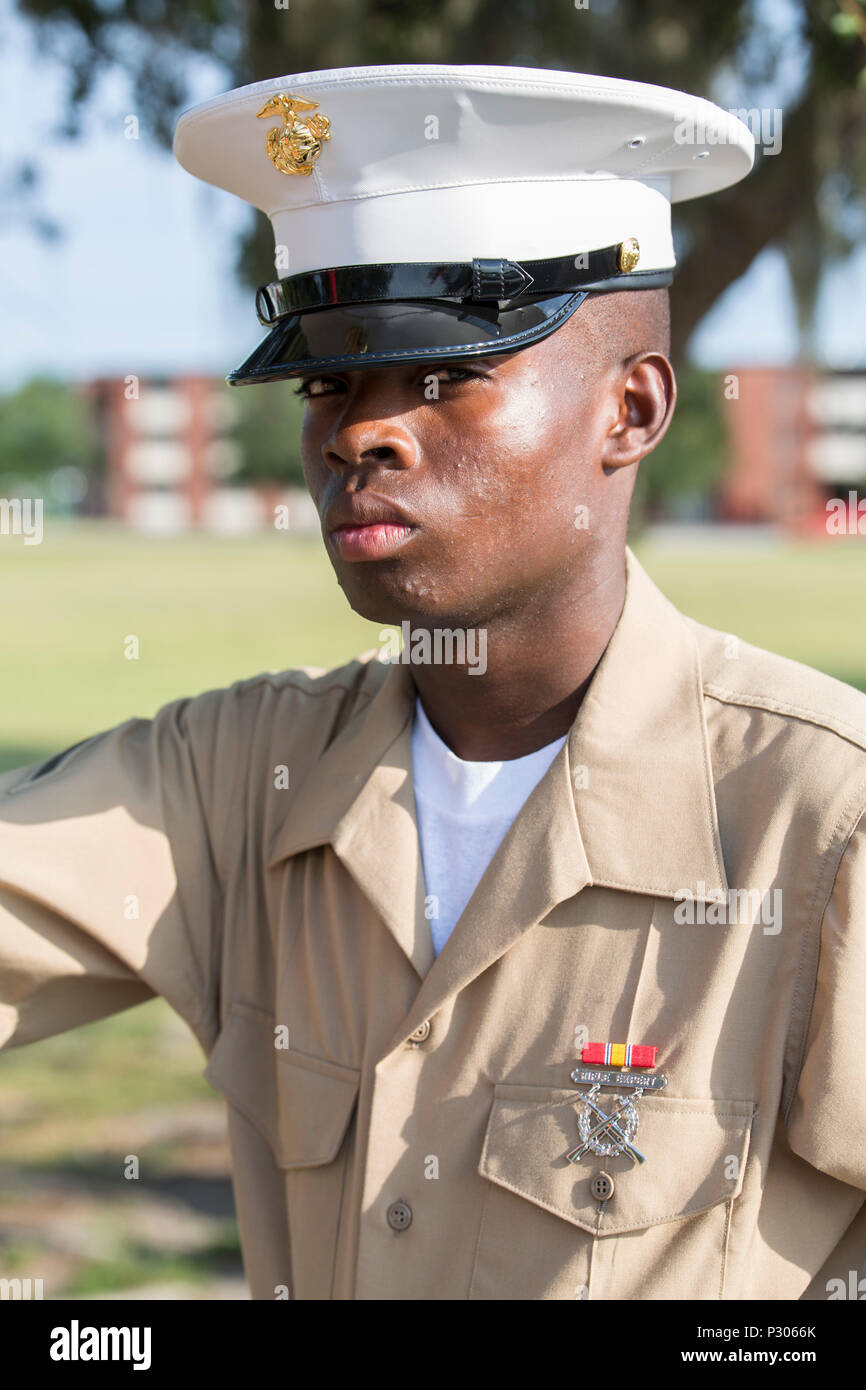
602,1187
399,1216
628,254
422,1032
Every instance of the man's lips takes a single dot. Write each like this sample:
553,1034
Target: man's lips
364,526
372,542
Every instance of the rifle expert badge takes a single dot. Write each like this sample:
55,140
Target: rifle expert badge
628,1067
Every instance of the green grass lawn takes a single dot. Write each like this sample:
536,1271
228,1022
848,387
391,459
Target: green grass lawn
806,600
207,612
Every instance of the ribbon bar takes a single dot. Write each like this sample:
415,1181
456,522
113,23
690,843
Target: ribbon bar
619,1054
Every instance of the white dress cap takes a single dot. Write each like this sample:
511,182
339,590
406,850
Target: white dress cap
454,165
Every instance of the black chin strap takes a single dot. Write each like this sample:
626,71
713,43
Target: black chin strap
478,280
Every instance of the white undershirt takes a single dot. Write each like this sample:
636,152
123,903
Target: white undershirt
464,811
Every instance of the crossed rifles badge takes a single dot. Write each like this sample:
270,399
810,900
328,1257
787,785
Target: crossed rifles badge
627,1066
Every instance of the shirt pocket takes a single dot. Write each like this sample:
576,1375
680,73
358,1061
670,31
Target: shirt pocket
661,1234
301,1106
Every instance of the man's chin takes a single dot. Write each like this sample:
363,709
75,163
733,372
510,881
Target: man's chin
392,609
391,613
379,592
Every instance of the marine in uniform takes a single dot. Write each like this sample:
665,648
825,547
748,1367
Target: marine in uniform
543,976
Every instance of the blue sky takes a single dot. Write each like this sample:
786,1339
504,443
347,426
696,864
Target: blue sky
142,280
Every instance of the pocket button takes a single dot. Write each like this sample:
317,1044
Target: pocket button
602,1187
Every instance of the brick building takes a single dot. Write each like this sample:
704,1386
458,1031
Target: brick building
170,458
796,438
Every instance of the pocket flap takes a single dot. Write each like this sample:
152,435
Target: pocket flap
695,1157
300,1104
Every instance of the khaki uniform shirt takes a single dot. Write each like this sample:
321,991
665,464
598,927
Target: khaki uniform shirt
287,926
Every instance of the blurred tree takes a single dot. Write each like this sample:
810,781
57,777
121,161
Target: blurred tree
268,429
743,54
679,478
45,426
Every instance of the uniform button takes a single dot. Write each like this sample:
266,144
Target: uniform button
422,1032
602,1187
399,1216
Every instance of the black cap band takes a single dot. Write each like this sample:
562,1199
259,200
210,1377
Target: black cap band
476,281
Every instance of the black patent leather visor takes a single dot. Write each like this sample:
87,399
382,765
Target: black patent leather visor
356,316
357,336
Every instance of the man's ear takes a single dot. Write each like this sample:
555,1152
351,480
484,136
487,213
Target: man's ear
647,396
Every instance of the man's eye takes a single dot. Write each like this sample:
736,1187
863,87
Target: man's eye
451,374
317,386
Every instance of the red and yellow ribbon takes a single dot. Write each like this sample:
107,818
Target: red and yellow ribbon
619,1054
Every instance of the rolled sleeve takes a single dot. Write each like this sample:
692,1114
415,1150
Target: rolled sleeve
109,890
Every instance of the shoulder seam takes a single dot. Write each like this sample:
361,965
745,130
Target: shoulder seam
300,680
823,721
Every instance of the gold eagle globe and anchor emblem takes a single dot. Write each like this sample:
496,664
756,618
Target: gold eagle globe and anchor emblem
294,147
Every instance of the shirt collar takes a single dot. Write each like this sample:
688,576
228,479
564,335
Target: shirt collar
632,792
640,758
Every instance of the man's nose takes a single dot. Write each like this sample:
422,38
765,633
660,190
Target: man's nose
361,440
